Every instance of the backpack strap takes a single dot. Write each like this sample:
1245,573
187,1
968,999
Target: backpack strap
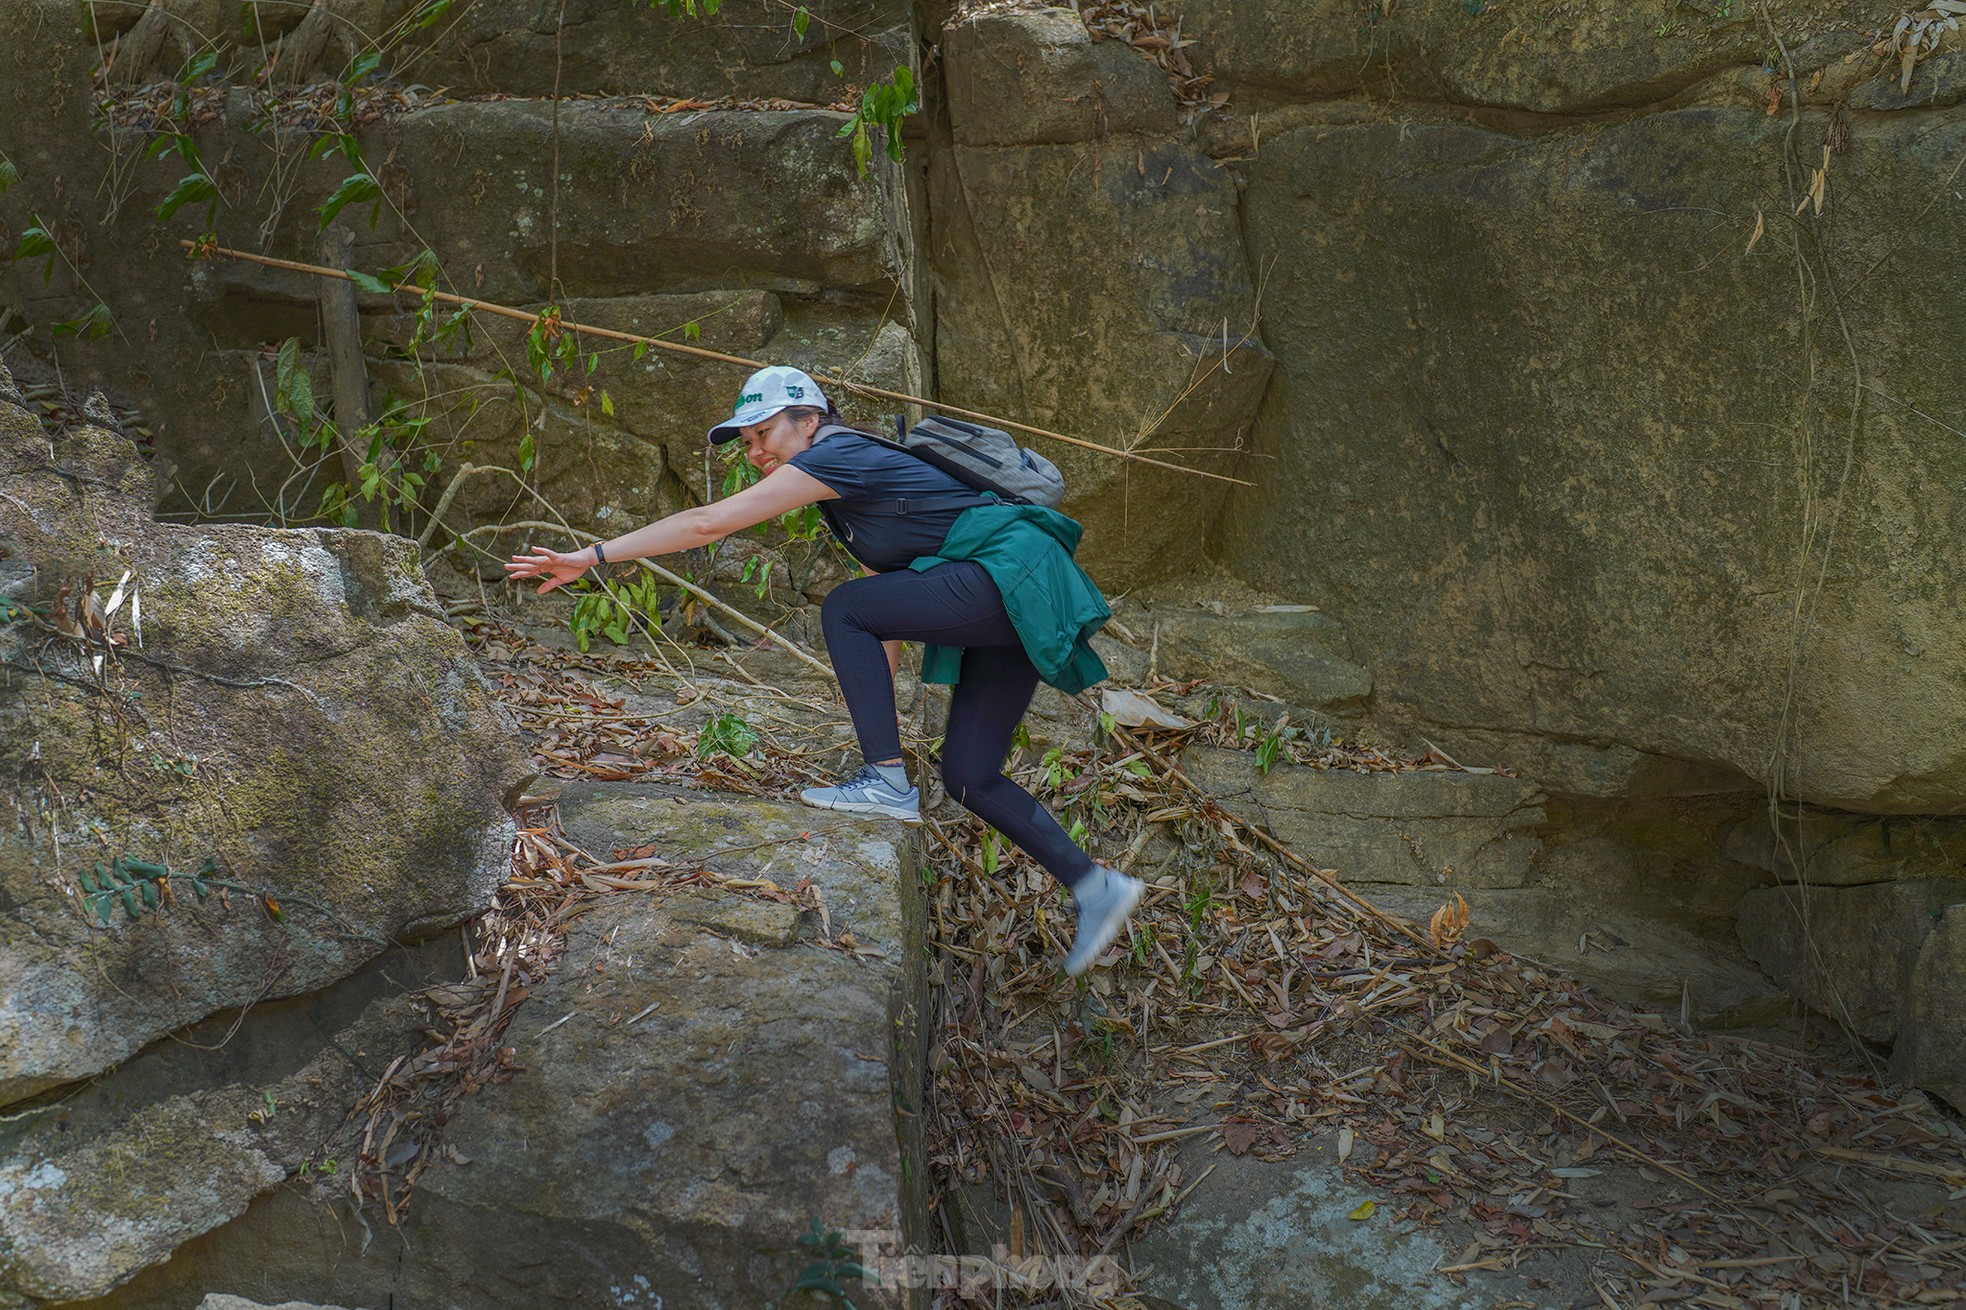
928,504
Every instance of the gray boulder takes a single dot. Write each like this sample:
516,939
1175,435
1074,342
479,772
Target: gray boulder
287,709
706,1072
1849,952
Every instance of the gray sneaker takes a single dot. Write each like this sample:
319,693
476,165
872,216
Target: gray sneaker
1103,899
866,792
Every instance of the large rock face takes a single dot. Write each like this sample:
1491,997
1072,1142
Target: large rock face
117,1176
1090,279
746,228
747,49
295,710
1515,462
1851,952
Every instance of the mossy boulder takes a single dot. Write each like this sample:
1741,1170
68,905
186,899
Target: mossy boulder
287,709
705,1072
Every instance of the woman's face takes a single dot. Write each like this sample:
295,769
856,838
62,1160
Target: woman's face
777,439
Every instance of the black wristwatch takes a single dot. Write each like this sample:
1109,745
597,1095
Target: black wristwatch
600,556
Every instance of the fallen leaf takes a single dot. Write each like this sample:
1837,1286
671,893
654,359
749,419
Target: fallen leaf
1239,1137
1132,710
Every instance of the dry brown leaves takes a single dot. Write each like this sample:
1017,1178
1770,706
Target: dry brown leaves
579,732
59,411
1157,37
321,107
1254,1002
752,105
516,945
1917,34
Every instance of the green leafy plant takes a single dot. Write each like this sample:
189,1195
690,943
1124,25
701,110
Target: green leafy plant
832,1262
1200,904
361,187
1200,900
1272,744
432,13
197,187
13,611
758,566
91,326
141,886
612,610
36,242
1057,772
882,107
726,734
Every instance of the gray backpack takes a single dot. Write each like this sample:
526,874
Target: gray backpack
985,459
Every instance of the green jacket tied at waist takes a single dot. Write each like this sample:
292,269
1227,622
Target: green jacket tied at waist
1055,607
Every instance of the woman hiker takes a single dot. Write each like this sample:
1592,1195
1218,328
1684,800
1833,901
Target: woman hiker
941,562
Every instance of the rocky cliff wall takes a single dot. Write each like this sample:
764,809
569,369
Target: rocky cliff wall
1579,427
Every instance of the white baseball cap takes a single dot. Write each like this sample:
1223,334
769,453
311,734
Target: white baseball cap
765,393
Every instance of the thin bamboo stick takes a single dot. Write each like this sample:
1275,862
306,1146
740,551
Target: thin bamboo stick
698,352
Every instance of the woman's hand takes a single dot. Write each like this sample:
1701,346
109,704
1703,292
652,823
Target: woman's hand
557,569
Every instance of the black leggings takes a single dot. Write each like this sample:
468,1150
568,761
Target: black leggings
950,605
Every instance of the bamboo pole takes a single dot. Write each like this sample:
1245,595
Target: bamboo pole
698,352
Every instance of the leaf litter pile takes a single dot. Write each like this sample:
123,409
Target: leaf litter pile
1461,1085
1253,1003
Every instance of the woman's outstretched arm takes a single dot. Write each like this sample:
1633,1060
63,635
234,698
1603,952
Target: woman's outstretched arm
781,491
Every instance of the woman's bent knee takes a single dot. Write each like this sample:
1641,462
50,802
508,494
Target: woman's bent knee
837,612
961,777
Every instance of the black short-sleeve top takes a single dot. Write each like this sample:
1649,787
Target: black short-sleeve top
865,472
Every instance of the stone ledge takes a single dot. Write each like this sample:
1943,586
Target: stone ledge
1423,829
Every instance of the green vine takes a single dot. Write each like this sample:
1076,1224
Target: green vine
140,885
